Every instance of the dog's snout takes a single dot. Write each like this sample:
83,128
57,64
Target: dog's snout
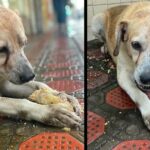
26,77
145,78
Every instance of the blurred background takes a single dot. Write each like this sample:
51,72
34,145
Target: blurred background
56,19
39,15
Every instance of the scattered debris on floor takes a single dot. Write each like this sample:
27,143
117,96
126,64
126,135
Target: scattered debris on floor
119,121
18,134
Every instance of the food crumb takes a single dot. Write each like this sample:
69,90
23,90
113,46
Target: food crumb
66,129
34,126
108,71
106,123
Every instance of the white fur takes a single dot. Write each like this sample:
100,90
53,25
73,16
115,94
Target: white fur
127,69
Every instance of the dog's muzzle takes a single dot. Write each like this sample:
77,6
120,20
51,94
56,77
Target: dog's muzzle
144,81
145,78
26,77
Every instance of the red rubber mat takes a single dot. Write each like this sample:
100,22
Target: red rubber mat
62,65
51,141
96,78
62,43
63,52
119,99
62,73
133,145
92,74
95,126
62,55
66,85
59,58
96,54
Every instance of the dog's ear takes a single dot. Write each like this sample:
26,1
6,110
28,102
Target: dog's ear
121,36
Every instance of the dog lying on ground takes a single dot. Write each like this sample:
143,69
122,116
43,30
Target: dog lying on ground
125,32
16,74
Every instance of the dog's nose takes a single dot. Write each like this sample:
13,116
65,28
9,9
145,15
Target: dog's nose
26,77
145,78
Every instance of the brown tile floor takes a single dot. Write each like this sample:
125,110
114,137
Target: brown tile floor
41,51
112,117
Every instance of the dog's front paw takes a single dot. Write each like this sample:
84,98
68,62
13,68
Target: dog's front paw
146,117
61,117
74,102
147,122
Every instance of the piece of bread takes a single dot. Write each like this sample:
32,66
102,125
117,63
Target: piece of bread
44,96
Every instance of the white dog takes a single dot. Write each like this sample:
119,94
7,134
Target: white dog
15,70
125,31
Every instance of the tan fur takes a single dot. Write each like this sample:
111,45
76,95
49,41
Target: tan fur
112,16
123,26
11,22
12,35
133,13
15,74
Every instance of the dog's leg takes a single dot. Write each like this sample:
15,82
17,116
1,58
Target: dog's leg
63,95
50,115
98,30
127,83
9,89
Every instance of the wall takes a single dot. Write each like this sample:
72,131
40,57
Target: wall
96,6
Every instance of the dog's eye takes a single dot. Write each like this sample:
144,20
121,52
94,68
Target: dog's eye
136,45
3,49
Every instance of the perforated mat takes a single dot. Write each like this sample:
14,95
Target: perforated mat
61,65
66,85
95,126
62,73
119,99
51,141
134,145
96,78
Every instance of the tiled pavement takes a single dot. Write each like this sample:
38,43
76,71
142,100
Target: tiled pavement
58,63
114,122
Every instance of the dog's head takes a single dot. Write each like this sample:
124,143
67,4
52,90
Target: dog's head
14,66
134,34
